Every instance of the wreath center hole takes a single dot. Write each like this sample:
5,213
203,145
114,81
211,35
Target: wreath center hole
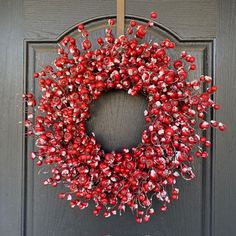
117,119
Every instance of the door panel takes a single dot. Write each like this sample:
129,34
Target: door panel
114,131
224,204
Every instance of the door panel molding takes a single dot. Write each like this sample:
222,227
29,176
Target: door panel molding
38,50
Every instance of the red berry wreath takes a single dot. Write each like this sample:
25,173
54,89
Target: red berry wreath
170,143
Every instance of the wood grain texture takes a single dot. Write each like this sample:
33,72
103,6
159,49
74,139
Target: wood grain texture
225,163
44,213
11,87
48,19
117,120
114,122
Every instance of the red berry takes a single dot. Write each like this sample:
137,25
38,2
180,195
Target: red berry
139,220
80,27
153,15
216,106
221,127
86,44
36,75
192,67
111,22
133,23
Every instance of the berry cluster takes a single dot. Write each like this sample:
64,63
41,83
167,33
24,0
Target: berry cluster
171,141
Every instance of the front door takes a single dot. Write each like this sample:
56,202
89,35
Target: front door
28,42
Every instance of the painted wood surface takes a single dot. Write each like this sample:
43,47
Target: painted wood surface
29,32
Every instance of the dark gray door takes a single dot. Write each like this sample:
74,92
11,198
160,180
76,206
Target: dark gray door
30,30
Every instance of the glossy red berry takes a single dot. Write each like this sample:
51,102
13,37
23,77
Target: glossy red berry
133,23
80,27
153,15
111,22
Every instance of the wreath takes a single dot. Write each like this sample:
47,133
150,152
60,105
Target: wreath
176,110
